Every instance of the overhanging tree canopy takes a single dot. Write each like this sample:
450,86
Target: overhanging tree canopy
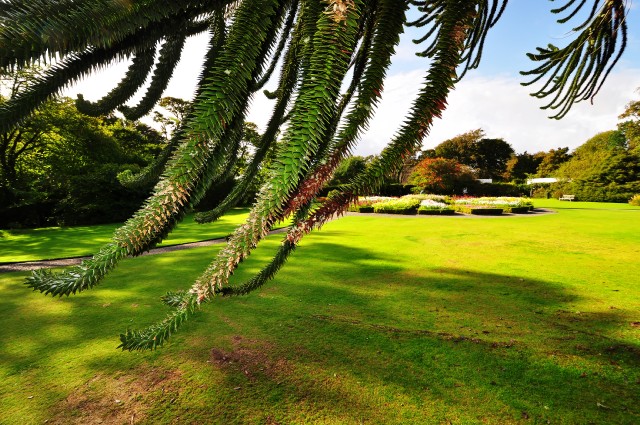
323,44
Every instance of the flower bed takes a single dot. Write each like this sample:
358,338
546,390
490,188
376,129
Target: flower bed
397,206
431,206
505,204
425,204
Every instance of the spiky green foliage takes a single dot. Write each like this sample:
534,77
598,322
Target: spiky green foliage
576,72
318,42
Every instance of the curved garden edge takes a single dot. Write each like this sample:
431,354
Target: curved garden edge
535,212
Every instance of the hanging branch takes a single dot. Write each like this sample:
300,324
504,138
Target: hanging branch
75,67
578,71
169,57
34,29
152,172
288,82
333,42
132,81
429,104
185,179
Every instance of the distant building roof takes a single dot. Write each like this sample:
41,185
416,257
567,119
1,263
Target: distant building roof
542,180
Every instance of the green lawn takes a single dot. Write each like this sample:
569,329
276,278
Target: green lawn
402,320
62,242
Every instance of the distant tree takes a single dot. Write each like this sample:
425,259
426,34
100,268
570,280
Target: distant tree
520,166
69,177
176,111
461,148
59,165
348,169
630,128
440,175
551,161
602,169
427,153
592,154
25,139
491,156
141,142
487,157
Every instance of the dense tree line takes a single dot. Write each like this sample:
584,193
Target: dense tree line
60,167
70,177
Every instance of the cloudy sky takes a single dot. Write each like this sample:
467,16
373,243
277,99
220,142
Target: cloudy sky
489,97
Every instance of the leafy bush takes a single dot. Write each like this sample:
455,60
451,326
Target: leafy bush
496,189
396,189
540,193
440,175
635,200
364,204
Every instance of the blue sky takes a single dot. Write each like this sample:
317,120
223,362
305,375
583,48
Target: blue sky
525,25
489,97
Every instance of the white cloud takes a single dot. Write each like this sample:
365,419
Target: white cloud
504,109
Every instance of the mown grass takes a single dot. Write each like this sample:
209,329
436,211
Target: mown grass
373,320
63,242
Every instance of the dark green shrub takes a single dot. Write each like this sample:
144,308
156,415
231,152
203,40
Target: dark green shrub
365,208
395,189
519,210
486,211
495,189
427,211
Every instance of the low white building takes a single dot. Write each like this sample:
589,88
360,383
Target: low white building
542,180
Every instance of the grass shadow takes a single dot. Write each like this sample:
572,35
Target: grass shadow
344,334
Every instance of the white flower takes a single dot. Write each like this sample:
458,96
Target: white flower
433,204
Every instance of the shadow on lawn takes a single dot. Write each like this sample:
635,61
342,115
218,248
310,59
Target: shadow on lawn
43,244
448,337
361,338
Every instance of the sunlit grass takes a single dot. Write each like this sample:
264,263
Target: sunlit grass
373,320
63,242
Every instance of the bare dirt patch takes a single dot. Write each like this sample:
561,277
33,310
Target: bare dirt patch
252,358
120,399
